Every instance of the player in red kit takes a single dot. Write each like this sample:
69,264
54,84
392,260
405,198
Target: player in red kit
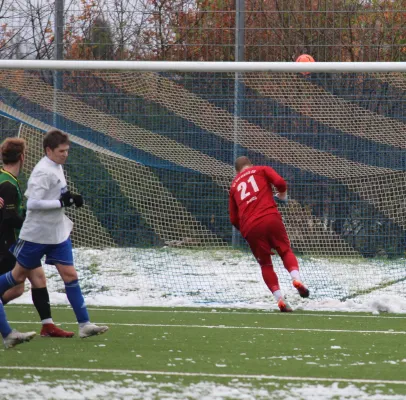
254,212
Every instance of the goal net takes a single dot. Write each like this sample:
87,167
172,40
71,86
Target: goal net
153,151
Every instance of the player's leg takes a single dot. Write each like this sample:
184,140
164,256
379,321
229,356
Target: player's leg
12,293
61,256
271,280
28,256
74,293
40,298
12,278
7,263
261,249
5,328
11,337
281,243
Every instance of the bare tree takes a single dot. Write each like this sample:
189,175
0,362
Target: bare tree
275,30
37,31
11,30
128,18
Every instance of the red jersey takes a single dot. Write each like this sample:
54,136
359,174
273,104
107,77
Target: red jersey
251,196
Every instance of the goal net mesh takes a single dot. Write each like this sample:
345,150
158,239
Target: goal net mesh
153,153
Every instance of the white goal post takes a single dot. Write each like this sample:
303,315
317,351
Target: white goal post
203,66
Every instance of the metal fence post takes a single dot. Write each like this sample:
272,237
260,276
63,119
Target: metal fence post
238,87
58,77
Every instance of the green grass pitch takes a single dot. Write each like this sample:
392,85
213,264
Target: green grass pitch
190,353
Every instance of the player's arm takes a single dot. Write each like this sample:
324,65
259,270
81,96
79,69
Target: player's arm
66,200
37,189
233,211
10,216
280,184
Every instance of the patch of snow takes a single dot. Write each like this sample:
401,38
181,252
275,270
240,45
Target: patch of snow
228,278
11,389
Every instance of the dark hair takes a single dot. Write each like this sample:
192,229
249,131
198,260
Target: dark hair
12,149
53,138
241,162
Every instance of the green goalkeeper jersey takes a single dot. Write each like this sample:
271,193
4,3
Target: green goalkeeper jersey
12,214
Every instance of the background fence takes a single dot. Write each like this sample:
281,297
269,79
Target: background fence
264,30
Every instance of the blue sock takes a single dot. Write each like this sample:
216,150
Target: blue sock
77,301
4,326
6,282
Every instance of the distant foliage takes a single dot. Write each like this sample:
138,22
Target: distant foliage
275,30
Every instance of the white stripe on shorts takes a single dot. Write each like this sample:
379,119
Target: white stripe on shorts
18,247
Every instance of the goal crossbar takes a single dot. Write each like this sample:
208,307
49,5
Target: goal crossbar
204,66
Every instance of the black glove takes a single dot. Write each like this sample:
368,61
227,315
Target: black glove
78,200
66,199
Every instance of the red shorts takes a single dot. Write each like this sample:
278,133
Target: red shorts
269,233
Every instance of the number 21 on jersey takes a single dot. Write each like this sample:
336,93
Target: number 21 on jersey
243,186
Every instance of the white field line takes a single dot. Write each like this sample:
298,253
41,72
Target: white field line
201,374
219,311
258,328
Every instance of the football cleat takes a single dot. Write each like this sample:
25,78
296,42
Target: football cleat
284,306
92,330
15,337
51,330
301,288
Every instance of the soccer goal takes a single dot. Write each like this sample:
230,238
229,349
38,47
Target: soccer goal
153,146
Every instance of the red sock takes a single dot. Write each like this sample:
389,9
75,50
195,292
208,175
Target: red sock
290,261
270,278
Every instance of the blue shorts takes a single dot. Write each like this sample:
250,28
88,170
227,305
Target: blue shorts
29,254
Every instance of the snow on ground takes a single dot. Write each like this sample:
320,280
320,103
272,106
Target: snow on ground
217,278
13,389
228,278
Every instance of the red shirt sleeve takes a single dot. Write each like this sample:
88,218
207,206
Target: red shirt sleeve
233,211
276,180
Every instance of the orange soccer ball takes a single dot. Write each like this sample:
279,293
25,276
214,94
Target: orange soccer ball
305,58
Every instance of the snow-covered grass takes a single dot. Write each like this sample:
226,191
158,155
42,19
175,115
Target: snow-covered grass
229,278
35,388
